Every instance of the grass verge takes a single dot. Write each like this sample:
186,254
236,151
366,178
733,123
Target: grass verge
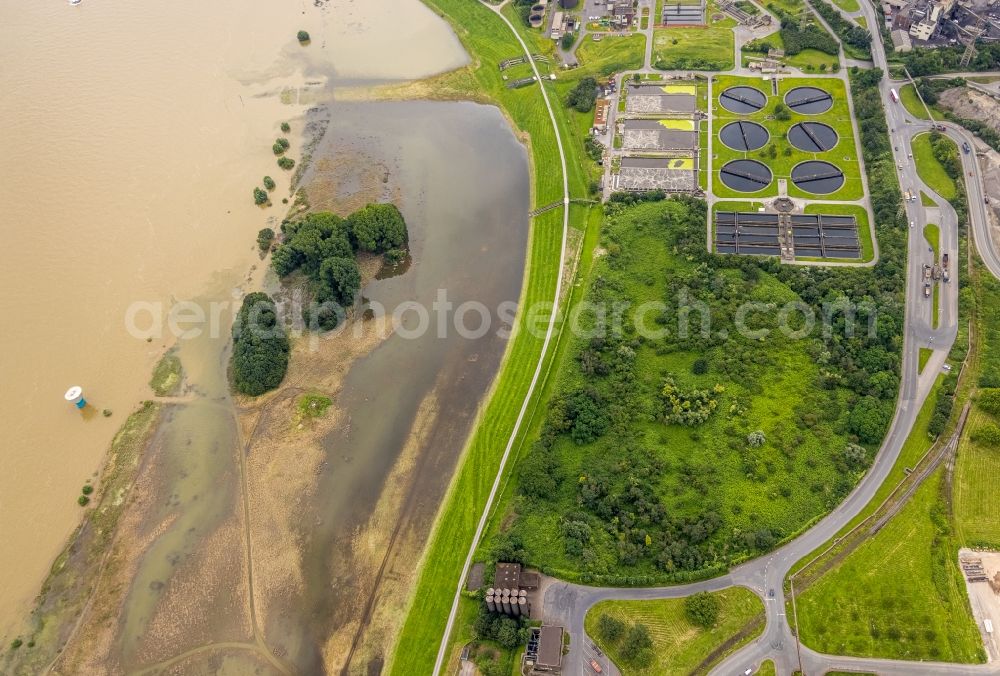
929,169
680,647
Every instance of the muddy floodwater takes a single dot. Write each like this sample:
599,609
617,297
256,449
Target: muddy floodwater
253,540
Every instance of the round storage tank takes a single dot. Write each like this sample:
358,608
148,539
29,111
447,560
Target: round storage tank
743,100
821,178
745,175
808,100
813,137
744,136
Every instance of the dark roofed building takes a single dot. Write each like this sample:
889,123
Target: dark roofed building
623,12
550,647
508,576
529,580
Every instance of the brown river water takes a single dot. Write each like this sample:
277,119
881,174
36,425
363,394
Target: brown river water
134,133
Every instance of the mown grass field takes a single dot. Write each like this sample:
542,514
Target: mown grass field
678,645
843,155
977,467
899,595
708,48
929,169
977,486
612,53
489,41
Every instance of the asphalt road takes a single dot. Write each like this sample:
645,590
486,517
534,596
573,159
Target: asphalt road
567,604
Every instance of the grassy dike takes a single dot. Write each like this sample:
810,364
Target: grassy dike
489,41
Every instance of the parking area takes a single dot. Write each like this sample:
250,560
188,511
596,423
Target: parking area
658,135
671,174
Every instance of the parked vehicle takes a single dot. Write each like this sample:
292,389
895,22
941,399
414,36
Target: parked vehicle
595,666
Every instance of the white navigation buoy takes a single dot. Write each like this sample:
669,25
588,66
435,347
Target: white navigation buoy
74,395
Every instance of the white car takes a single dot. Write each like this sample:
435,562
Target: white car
911,224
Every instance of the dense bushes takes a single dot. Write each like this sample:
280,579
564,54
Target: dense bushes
989,400
634,642
943,404
260,346
377,228
852,34
702,610
948,59
323,247
798,34
583,95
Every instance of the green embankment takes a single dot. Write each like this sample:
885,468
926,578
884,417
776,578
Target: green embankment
678,645
490,41
910,100
929,169
900,594
926,200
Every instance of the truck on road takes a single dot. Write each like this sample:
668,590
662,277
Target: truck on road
965,148
944,261
894,95
927,290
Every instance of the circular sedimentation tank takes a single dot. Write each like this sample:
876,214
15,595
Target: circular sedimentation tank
745,175
743,100
809,100
744,136
821,178
535,20
813,137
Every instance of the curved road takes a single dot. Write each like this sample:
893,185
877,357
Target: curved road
567,604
